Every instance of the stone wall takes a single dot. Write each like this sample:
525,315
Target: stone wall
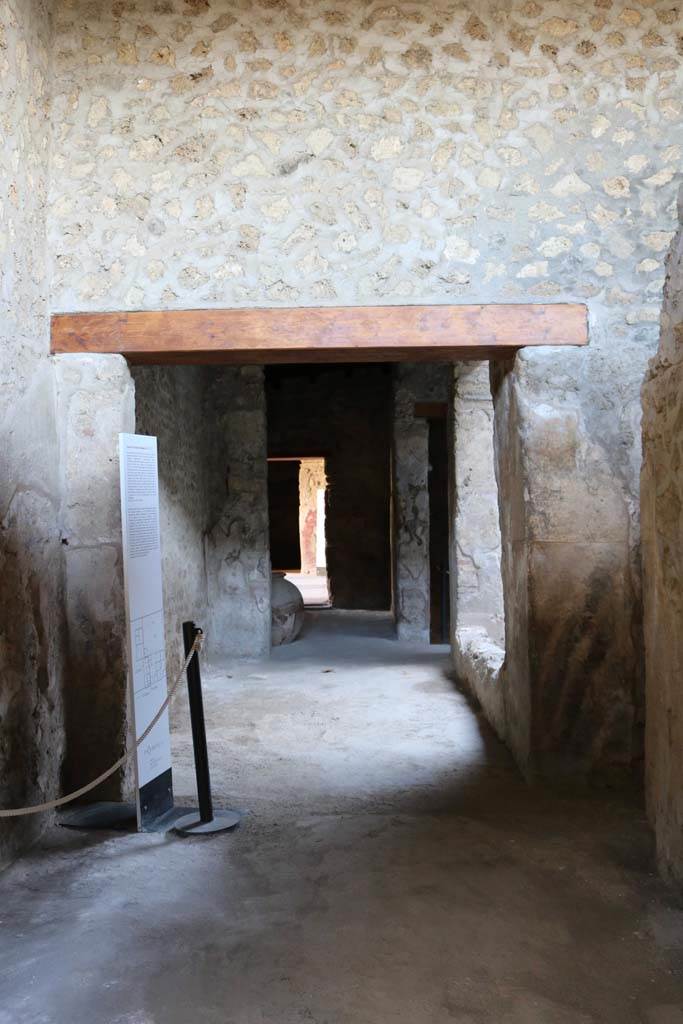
237,544
564,690
169,404
662,525
344,414
32,628
213,154
419,382
568,498
477,620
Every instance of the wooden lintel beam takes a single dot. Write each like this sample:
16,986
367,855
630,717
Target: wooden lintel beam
321,334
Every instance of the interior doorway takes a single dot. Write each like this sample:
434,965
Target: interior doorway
297,488
318,472
334,422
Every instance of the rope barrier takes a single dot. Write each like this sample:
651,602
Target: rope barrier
49,805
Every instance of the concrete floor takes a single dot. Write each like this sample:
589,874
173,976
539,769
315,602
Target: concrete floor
392,868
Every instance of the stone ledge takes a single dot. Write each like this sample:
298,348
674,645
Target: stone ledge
475,642
478,661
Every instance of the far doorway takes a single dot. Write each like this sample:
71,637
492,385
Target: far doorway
329,429
297,487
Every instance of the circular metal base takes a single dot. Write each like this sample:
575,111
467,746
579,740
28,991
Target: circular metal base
192,825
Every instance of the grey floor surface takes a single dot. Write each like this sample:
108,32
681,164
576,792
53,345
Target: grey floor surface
391,868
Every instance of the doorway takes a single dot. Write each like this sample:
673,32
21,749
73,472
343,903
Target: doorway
297,488
338,417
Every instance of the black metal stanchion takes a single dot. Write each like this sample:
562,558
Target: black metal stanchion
207,820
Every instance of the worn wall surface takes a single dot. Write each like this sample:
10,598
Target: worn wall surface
95,401
219,154
237,543
344,414
32,633
169,404
662,525
568,497
413,383
477,622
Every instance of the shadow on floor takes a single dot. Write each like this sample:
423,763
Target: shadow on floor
392,866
